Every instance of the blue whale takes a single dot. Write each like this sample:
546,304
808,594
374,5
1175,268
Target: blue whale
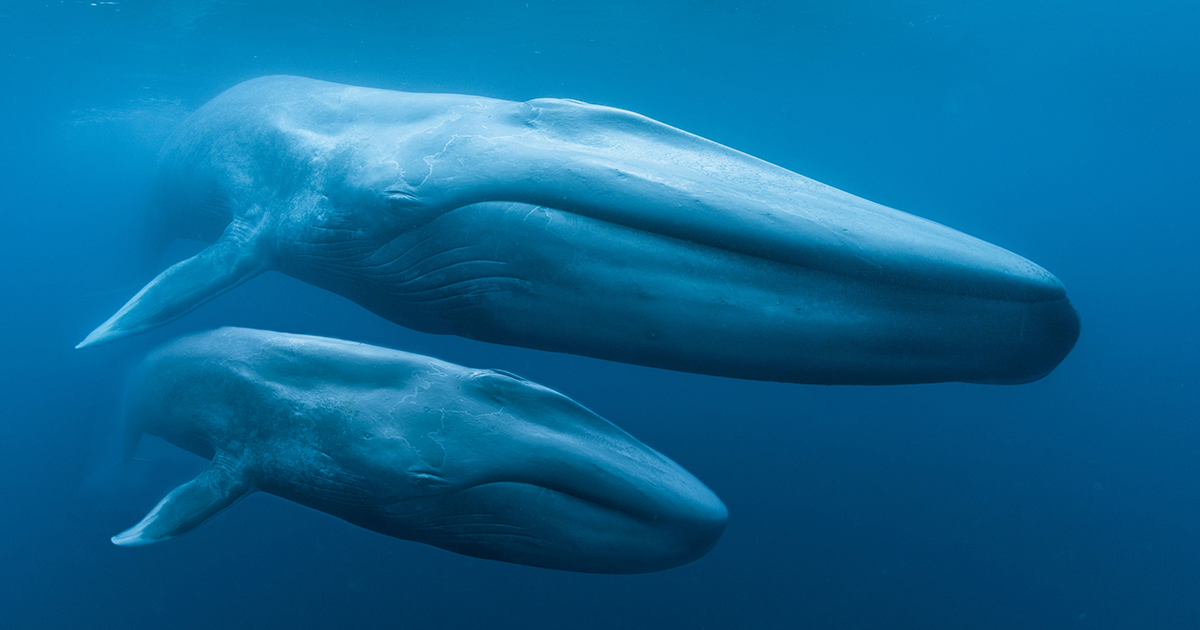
564,226
479,462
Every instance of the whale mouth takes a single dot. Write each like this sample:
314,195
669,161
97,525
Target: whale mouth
535,525
706,513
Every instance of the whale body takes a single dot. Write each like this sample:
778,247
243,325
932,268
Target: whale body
480,462
563,226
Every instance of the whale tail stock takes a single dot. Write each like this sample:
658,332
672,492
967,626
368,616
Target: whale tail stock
227,263
190,505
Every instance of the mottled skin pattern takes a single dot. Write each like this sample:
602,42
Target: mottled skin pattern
479,462
564,226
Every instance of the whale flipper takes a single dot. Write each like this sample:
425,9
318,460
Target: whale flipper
225,264
189,505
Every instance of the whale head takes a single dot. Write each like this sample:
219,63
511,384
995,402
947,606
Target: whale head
554,485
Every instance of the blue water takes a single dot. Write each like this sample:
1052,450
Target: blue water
1068,132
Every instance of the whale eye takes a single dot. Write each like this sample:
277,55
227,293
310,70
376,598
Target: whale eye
424,479
401,196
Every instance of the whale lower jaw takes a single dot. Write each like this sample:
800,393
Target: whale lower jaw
608,291
496,521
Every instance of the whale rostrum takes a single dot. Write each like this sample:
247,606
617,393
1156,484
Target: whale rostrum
564,226
479,462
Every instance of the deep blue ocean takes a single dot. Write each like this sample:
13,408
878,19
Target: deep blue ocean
1066,131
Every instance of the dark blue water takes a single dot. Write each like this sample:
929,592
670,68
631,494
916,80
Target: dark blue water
1068,132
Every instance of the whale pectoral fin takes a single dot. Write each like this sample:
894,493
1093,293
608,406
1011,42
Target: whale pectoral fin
180,289
188,506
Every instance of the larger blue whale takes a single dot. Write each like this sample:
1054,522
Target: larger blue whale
564,226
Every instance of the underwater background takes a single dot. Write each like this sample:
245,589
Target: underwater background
1065,131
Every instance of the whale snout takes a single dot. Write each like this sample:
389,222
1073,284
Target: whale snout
649,513
1012,317
1044,335
922,302
672,505
699,529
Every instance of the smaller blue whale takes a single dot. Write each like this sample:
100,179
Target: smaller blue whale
479,462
